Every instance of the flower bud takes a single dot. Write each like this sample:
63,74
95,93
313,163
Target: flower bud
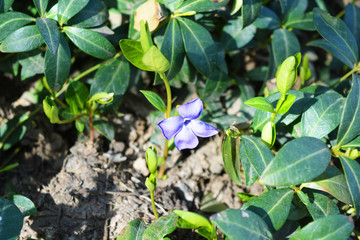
268,134
150,184
286,74
151,159
145,36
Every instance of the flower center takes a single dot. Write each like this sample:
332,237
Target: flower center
186,122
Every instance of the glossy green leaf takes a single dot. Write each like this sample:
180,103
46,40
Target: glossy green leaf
155,100
289,45
323,116
303,22
133,52
51,110
209,204
90,42
173,48
199,46
352,175
134,230
215,85
333,182
234,223
250,11
340,228
41,6
260,103
352,19
57,66
318,204
11,220
105,128
234,36
50,33
52,13
69,8
13,131
5,5
190,220
293,8
25,205
76,95
32,63
155,60
310,158
24,39
245,197
350,119
286,105
200,6
161,227
231,158
93,14
113,77
267,19
272,206
255,156
236,6
353,144
335,31
11,21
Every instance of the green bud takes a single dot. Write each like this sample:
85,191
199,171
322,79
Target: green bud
51,110
354,154
102,97
268,134
287,73
145,36
151,159
150,185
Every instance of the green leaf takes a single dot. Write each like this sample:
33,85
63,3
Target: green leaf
333,182
302,22
93,14
161,227
340,228
234,36
286,105
255,157
245,197
234,223
323,116
310,158
199,46
267,19
133,52
272,206
155,60
190,220
209,204
90,42
24,39
68,8
113,77
215,85
260,103
11,21
352,175
133,231
13,131
155,100
5,5
41,6
52,13
76,95
11,220
250,11
352,19
231,158
32,63
50,33
318,204
173,48
350,119
335,31
51,110
200,6
289,45
57,66
105,128
353,144
25,205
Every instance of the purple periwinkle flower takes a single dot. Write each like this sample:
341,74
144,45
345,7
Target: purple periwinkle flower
185,128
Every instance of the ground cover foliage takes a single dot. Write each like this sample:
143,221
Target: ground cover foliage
278,80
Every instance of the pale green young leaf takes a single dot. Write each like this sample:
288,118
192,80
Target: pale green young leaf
289,100
260,103
133,52
155,100
68,8
155,60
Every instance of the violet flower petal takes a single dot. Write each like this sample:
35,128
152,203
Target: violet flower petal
191,110
202,129
185,139
170,126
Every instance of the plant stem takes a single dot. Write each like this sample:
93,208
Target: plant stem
167,115
153,204
355,69
92,137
